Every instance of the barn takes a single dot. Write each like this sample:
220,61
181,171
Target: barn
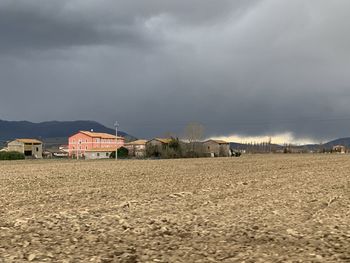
31,148
216,148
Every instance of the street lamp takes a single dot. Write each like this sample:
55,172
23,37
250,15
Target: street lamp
116,125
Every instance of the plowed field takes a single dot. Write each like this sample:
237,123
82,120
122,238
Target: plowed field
259,208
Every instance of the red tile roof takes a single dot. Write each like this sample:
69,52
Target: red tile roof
217,141
28,140
137,142
100,135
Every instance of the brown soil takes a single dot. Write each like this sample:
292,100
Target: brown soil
272,208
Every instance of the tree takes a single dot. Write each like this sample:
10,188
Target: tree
194,133
122,153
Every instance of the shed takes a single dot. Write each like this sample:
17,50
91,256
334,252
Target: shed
31,148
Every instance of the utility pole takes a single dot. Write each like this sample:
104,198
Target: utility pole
116,125
77,150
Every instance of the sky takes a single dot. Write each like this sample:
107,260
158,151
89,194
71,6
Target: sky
243,69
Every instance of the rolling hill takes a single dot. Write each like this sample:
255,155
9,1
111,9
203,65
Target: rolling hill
341,141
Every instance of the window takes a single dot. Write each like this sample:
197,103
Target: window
107,154
98,154
85,147
37,149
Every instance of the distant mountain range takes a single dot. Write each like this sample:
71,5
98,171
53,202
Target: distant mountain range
51,132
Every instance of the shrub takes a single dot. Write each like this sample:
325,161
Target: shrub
153,151
11,156
122,153
169,151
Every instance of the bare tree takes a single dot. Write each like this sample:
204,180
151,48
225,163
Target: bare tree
194,132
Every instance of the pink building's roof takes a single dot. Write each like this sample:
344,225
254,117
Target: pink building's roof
100,135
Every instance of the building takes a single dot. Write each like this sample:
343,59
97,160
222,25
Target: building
64,148
31,148
339,149
136,148
216,148
158,142
98,153
88,141
157,146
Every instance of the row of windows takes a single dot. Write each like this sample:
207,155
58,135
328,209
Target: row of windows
96,140
80,148
80,141
98,154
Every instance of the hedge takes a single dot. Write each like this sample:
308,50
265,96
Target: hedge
11,156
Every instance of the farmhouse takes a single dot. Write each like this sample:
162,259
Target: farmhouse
339,149
31,148
216,148
95,144
156,146
160,142
136,148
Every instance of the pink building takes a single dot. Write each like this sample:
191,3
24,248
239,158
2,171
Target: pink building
85,141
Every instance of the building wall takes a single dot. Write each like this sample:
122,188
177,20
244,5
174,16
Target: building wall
15,146
36,149
219,150
136,150
80,142
224,150
96,155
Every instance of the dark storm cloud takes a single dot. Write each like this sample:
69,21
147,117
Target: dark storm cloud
239,67
41,24
60,24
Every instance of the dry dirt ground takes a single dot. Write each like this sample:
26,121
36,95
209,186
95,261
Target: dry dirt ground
259,208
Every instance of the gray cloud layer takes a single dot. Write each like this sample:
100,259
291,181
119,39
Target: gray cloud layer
249,67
